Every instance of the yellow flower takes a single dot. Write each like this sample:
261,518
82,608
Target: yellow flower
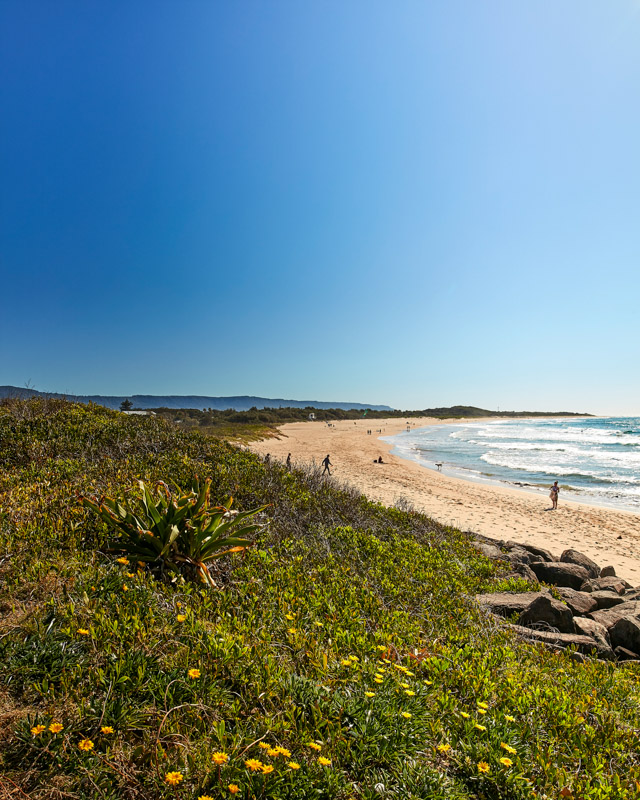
123,560
480,727
464,714
86,745
289,616
428,683
83,631
483,767
405,714
130,575
444,748
509,718
346,663
125,588
283,751
354,658
381,647
233,788
579,720
325,762
369,694
293,765
264,745
409,673
378,680
482,705
55,727
267,768
253,764
409,693
194,673
481,710
181,617
315,746
405,685
293,631
106,729
273,752
219,758
173,778
141,563
205,797
506,761
38,730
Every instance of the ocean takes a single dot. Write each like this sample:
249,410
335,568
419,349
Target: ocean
594,460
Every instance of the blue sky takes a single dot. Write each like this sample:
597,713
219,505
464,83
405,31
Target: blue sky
417,203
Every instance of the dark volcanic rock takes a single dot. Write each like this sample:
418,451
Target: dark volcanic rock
576,557
489,550
608,572
626,633
614,584
608,617
580,603
549,611
505,603
588,627
560,573
522,571
623,654
585,644
538,552
605,598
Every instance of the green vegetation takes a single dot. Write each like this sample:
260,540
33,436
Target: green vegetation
258,423
341,657
176,532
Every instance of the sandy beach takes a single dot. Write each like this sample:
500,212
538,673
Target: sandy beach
607,535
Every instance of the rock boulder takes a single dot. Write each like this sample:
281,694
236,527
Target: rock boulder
576,557
560,574
613,584
609,616
580,603
505,604
626,633
545,609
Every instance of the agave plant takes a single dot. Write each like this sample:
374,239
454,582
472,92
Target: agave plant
178,532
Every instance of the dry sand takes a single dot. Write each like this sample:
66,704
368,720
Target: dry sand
502,513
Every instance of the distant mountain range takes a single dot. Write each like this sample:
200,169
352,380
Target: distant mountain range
144,401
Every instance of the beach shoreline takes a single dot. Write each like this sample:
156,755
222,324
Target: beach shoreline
500,512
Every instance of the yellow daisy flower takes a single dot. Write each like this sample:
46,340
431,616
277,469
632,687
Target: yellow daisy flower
409,693
405,714
253,764
314,746
325,762
37,730
264,745
122,560
181,617
219,758
106,729
267,768
507,747
369,694
480,727
464,714
293,765
86,745
444,748
194,673
506,761
83,631
233,788
55,727
509,718
483,767
283,752
173,778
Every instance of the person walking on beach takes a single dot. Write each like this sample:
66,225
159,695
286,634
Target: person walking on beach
288,463
327,464
553,494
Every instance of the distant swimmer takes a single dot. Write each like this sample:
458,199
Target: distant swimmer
327,464
439,465
553,494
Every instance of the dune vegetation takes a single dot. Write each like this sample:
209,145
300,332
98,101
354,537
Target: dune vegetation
341,655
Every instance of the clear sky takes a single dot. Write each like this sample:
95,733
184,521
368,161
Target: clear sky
416,203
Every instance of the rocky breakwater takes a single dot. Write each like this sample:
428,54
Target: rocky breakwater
587,607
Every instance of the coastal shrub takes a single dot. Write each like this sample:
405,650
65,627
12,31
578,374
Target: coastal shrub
341,657
178,532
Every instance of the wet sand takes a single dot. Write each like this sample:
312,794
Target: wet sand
499,512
